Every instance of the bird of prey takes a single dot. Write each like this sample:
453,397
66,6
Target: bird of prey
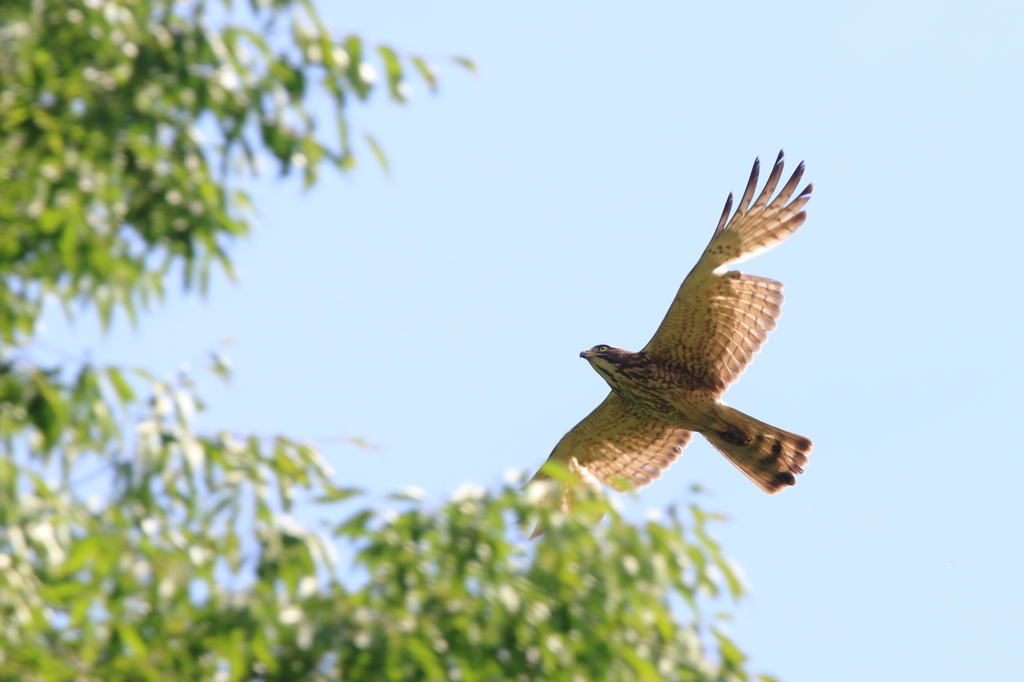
673,387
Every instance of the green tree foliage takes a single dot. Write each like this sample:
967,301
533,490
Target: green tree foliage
133,547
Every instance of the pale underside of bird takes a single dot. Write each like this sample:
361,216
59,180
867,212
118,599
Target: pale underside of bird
673,387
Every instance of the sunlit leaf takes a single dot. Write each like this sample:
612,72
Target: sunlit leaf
220,366
356,525
731,655
122,388
360,443
378,153
393,70
427,72
338,495
465,63
130,636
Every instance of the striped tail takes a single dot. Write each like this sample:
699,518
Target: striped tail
768,456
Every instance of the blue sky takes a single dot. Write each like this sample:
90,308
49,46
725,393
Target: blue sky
556,200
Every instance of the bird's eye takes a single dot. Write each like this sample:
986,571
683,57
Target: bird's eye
601,349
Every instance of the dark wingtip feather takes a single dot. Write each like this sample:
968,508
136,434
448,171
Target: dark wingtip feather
783,196
725,214
748,193
771,184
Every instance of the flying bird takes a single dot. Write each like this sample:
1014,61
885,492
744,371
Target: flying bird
672,388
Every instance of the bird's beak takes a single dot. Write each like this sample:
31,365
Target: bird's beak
586,354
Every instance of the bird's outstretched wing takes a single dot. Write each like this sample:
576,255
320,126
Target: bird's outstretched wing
719,318
616,444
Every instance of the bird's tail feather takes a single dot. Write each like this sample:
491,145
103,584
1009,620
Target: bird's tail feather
768,456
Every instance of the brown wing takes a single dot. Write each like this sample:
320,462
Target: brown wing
719,319
615,442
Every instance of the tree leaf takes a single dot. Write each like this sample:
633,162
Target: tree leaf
426,72
378,153
355,526
394,72
130,637
122,388
465,63
338,495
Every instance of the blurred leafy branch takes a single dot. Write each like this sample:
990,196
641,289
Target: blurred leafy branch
121,124
133,547
191,565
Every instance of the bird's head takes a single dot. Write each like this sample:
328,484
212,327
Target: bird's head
609,360
599,353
